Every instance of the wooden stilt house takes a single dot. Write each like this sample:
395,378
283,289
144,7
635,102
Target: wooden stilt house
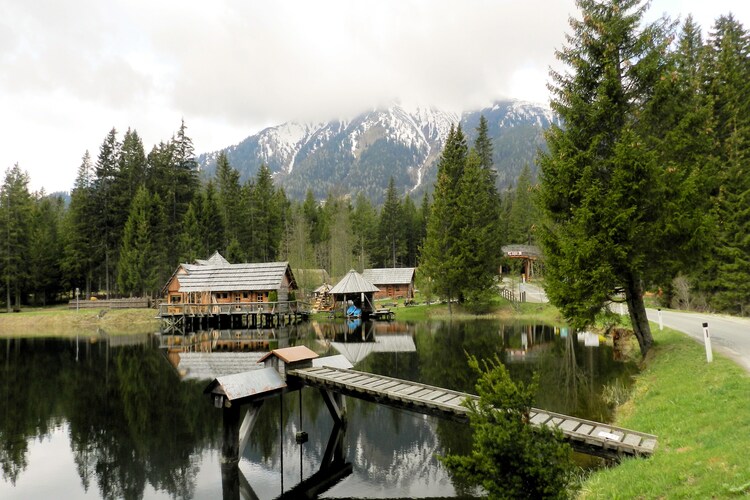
215,288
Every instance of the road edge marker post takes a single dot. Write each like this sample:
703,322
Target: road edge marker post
661,323
707,341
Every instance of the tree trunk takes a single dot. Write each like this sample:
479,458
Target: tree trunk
637,311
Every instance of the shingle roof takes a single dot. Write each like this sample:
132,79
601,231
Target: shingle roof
291,354
215,260
389,276
353,282
233,277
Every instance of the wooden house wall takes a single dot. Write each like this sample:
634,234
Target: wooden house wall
394,291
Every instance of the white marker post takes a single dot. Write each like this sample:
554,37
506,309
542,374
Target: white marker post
661,324
707,340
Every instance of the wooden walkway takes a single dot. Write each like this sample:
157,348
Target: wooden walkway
585,436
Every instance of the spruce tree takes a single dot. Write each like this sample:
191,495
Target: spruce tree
211,221
190,243
79,234
601,183
45,248
477,225
364,231
106,221
230,200
136,271
266,216
729,85
522,216
15,224
441,257
390,229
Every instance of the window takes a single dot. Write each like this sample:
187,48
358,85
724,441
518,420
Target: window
260,297
175,299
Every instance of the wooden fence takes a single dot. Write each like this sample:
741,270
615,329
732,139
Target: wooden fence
133,303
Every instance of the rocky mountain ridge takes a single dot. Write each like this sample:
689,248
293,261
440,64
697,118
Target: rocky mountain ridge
362,154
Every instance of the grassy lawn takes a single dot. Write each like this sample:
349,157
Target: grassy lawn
61,321
699,411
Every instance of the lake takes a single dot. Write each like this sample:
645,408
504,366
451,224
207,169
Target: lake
126,417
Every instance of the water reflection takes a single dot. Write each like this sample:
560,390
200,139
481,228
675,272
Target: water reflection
128,412
129,420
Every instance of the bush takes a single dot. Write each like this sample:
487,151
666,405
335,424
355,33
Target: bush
510,457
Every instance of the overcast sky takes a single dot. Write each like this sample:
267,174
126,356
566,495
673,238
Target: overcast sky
70,71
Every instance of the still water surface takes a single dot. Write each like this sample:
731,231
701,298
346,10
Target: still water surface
123,417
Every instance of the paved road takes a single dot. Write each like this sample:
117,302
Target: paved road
729,335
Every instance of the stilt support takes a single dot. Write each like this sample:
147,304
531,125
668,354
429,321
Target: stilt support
251,416
336,405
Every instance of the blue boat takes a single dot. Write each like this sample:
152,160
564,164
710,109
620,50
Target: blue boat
353,312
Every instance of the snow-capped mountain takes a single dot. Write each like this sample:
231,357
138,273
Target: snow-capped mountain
363,153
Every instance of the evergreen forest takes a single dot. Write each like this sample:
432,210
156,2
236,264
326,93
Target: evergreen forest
658,166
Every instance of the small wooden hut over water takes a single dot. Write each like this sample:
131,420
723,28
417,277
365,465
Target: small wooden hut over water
355,288
394,282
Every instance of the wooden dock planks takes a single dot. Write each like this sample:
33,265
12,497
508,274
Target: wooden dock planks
586,436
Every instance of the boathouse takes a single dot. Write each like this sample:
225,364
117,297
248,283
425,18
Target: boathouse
215,289
394,282
354,288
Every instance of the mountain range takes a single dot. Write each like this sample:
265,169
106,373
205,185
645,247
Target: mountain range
362,154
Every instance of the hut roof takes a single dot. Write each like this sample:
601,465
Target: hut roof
247,384
234,277
353,282
291,354
389,276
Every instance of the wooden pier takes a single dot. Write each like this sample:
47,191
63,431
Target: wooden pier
585,436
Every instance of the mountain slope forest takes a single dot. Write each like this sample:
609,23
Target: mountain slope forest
133,215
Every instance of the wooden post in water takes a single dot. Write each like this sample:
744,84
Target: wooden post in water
230,445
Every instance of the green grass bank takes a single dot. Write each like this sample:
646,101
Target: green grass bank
700,411
61,321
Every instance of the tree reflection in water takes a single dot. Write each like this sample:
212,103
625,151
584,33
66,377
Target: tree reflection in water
134,426
131,422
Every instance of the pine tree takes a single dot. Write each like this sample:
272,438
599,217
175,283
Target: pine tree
136,271
211,221
191,245
729,86
266,215
441,258
364,231
410,232
15,224
105,217
677,124
477,223
601,185
390,229
230,200
79,233
522,216
45,248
